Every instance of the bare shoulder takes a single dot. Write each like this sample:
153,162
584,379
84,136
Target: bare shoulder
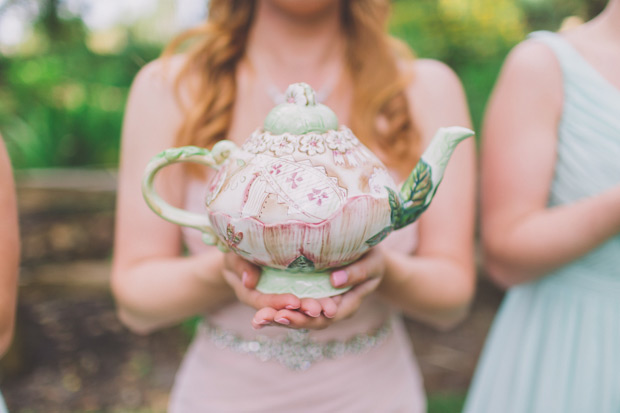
158,77
154,98
437,97
532,61
154,111
531,73
432,79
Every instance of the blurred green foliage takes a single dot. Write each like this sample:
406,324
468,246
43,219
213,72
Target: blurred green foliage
62,95
61,104
474,36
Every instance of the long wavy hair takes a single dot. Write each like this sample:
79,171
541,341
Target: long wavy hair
380,110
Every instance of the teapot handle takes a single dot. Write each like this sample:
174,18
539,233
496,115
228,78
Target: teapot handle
214,158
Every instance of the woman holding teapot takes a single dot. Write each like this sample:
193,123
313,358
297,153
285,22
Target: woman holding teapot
254,352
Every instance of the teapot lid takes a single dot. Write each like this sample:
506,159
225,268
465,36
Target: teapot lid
300,114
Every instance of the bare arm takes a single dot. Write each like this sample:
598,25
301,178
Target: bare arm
153,285
437,283
9,251
524,239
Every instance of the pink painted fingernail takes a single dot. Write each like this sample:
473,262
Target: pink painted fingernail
291,307
283,321
329,315
339,278
261,322
257,325
244,278
311,315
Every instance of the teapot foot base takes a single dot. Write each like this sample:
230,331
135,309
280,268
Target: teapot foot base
314,284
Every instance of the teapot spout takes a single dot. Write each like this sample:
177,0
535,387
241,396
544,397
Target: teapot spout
418,190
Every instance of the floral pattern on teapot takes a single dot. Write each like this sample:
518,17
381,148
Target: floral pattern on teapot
303,195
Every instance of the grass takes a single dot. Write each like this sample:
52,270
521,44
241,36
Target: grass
446,402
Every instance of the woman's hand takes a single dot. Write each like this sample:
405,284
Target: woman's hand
364,275
243,276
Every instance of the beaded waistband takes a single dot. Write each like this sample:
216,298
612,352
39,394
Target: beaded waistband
296,350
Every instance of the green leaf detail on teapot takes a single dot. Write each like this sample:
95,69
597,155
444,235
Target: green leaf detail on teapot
380,236
301,264
233,239
396,210
416,188
407,206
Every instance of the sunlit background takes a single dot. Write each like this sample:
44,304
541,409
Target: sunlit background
66,65
65,71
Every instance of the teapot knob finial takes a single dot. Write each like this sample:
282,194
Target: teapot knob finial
300,94
300,113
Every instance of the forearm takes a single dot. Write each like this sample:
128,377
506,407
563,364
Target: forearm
6,332
7,312
161,292
547,239
436,290
9,273
9,251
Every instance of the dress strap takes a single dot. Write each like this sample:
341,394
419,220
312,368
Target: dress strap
568,57
576,70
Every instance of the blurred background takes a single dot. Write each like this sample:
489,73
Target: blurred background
65,70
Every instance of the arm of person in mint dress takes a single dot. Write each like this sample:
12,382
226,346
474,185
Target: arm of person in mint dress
523,239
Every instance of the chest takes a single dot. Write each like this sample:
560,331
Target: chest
253,102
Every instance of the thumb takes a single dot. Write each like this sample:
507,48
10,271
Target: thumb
248,272
365,268
250,277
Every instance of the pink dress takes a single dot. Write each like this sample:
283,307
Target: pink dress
362,364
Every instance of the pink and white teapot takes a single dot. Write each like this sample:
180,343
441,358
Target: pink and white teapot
302,195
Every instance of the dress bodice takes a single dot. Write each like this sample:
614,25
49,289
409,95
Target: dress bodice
588,151
282,369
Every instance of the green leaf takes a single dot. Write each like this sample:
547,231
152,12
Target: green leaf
411,202
395,205
417,186
378,237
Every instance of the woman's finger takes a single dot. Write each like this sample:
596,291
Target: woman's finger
248,272
257,299
352,299
298,320
311,307
250,279
263,317
277,301
337,299
368,266
330,306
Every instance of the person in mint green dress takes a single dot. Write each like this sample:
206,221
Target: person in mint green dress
551,225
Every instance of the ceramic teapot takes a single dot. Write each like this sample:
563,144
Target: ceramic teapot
302,195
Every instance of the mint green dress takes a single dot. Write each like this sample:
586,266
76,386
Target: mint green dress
3,408
554,345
